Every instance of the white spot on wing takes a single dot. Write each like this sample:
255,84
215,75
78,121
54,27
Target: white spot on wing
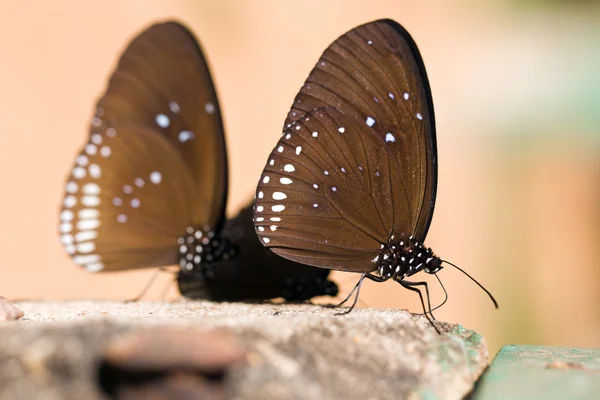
280,149
91,149
285,181
390,138
315,134
370,121
163,121
209,108
65,227
87,224
155,177
66,215
82,160
174,107
71,187
90,188
87,213
266,240
90,201
184,136
83,236
86,247
298,150
419,116
266,179
94,267
406,96
278,208
341,129
289,168
79,173
95,171
279,196
70,201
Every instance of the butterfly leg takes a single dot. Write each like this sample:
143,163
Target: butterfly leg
428,310
357,289
411,286
347,297
148,285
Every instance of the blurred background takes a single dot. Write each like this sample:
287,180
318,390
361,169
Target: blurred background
516,88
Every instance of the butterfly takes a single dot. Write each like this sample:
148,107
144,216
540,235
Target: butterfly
351,184
149,188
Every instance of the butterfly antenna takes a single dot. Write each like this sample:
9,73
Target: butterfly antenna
445,294
473,279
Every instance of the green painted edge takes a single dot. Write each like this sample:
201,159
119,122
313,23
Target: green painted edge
525,372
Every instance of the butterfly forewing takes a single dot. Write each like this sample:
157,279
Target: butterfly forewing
375,73
126,201
162,83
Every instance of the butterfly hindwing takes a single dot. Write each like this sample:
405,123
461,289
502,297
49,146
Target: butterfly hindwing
126,201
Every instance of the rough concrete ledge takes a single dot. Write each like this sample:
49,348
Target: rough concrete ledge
292,351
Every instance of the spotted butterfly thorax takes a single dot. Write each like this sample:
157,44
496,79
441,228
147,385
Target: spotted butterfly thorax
149,187
351,184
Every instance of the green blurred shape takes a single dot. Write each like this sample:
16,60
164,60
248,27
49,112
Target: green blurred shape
522,372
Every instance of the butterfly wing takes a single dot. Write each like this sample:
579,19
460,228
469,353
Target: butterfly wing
155,156
127,199
162,82
357,161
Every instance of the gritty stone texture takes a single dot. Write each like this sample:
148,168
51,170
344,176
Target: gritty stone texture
293,351
8,311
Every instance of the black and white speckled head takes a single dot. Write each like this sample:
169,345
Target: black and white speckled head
403,258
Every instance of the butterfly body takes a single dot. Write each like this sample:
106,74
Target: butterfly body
250,272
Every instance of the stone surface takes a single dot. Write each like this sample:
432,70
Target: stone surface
8,311
524,372
293,351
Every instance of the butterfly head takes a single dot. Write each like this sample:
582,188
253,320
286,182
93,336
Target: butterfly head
433,265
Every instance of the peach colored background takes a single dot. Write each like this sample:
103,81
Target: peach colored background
518,202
